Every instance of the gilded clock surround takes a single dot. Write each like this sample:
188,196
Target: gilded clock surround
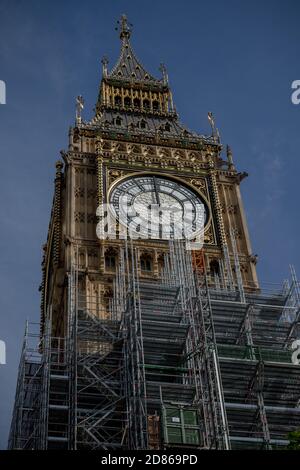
194,187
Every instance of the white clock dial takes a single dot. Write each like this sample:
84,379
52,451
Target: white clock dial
158,207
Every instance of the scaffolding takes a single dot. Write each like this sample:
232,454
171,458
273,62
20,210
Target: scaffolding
170,351
182,361
24,433
261,384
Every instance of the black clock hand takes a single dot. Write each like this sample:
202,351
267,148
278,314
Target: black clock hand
156,191
153,197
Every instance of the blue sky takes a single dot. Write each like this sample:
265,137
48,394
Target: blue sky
234,58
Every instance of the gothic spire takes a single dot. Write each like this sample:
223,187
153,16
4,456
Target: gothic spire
128,66
133,102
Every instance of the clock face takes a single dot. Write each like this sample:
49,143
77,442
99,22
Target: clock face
157,207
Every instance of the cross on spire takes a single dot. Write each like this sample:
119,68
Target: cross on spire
124,27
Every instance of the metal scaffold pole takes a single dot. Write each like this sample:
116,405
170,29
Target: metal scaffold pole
134,356
46,366
237,266
72,356
201,350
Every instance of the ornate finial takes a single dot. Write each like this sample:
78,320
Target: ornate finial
124,27
229,158
79,108
211,121
104,63
215,131
164,72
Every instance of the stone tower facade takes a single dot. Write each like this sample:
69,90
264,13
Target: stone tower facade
135,131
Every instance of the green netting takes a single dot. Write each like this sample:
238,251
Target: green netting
239,352
190,417
191,436
254,353
174,435
276,355
173,415
181,425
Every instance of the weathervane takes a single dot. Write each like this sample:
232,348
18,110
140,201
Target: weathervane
79,108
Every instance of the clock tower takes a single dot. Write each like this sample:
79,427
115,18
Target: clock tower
143,344
136,139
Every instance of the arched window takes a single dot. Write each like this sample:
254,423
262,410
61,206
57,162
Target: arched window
136,102
107,298
155,105
118,100
76,136
214,267
127,102
118,121
82,259
143,124
167,127
146,104
146,263
110,259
